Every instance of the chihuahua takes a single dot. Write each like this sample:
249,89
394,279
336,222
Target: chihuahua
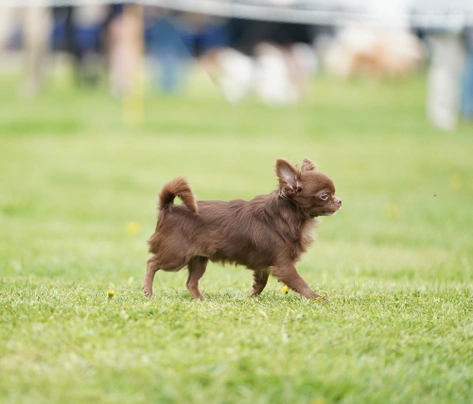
267,234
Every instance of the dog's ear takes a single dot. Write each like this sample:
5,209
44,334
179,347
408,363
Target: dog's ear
289,177
308,165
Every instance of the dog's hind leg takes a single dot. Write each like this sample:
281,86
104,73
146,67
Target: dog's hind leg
260,279
155,263
197,266
151,267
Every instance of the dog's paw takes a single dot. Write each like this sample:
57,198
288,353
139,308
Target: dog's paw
321,300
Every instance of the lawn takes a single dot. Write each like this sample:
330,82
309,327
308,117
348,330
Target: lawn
79,176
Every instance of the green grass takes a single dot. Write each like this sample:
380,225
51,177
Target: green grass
396,260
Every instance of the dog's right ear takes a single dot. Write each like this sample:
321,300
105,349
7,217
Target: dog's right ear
308,165
289,177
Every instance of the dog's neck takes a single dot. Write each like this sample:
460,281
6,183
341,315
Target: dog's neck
281,206
285,200
293,224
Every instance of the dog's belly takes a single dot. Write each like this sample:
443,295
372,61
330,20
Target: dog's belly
253,261
241,251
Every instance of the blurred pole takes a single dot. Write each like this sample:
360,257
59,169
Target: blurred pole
467,100
133,65
444,79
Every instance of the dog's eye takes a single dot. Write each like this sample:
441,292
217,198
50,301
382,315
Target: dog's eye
324,197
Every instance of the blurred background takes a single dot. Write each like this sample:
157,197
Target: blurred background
270,51
102,103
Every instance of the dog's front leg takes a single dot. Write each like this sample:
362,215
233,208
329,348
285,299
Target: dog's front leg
288,275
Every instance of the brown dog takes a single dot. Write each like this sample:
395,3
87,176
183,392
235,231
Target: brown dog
267,234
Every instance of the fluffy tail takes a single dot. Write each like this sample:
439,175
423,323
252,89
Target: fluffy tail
180,188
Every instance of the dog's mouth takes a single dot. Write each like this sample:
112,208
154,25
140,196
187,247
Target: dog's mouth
324,213
328,212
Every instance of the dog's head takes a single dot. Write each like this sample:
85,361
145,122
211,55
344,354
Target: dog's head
310,189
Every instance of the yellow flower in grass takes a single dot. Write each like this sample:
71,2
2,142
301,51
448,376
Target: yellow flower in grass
111,293
284,289
133,227
392,211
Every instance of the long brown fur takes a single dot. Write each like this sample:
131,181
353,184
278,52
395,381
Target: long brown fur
267,234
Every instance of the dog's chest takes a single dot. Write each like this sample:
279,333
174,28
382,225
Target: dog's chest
307,234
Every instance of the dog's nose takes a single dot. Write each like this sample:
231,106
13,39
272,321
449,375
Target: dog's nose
339,202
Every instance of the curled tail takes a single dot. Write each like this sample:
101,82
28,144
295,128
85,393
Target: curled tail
180,188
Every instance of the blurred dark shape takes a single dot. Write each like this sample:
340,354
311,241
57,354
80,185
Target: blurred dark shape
80,31
169,55
175,37
201,33
100,38
247,34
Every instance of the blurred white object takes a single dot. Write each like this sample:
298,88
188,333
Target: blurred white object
236,76
305,57
444,79
273,82
373,51
278,75
282,73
